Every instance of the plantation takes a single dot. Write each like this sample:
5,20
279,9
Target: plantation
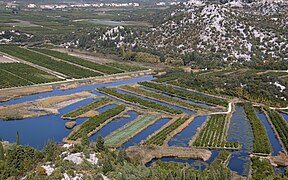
261,168
261,141
222,159
122,135
160,137
280,125
137,100
76,113
187,95
161,97
28,73
47,62
213,134
92,123
8,80
126,67
64,56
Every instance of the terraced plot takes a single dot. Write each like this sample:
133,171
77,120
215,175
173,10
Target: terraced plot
82,110
280,126
47,62
160,97
213,134
137,100
93,122
120,136
64,56
160,136
8,80
184,94
126,67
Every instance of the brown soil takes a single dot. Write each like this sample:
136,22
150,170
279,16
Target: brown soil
70,125
145,154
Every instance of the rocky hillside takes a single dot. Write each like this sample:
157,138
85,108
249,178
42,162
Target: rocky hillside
237,31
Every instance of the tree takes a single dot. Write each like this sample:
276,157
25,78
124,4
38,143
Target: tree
1,151
107,166
17,138
100,144
50,150
85,140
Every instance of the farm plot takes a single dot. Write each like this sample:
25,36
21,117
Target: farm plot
280,126
28,73
137,100
82,110
8,80
64,56
160,136
127,68
186,95
160,97
47,62
261,141
122,135
213,134
93,122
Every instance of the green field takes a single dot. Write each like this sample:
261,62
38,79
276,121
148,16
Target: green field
74,114
213,134
122,135
64,56
18,74
127,68
47,62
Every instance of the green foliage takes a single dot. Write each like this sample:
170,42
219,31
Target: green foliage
261,169
160,97
99,67
212,135
50,151
100,144
94,105
84,139
126,67
139,101
280,125
47,62
17,138
261,141
107,166
141,57
160,137
1,152
184,94
93,122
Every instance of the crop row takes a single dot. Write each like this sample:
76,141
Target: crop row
261,168
28,72
122,134
220,160
64,56
139,101
8,80
212,135
47,62
280,125
187,95
159,138
93,122
161,97
125,67
74,114
261,141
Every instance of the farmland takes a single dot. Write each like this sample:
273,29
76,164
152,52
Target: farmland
18,74
136,100
261,141
187,95
64,56
82,110
125,67
213,134
93,122
160,137
280,126
47,62
161,97
120,136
